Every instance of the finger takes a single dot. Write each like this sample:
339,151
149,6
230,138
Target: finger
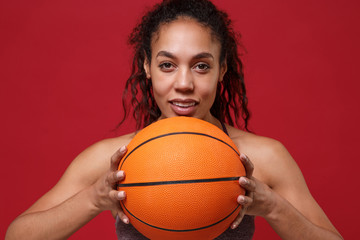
116,157
117,195
238,219
249,167
248,184
245,201
114,177
123,217
121,213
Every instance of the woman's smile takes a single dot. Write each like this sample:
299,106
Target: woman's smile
183,107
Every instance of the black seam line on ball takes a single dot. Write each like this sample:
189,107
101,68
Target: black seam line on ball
180,230
145,184
176,133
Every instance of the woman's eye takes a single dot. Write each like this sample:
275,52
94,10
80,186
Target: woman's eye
202,67
166,66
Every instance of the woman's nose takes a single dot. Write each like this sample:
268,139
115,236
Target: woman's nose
184,80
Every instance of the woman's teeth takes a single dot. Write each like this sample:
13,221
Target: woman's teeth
184,104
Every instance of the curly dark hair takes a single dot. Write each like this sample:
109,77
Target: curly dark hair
230,101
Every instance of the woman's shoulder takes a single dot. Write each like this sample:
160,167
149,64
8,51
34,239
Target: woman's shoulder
269,156
95,160
109,145
82,172
105,148
252,143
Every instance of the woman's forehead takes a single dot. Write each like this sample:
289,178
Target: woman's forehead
185,35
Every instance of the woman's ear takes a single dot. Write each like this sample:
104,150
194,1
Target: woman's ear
223,70
147,68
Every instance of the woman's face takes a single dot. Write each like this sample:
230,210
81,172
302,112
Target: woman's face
185,69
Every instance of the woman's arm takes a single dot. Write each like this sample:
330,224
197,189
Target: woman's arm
284,201
58,222
85,190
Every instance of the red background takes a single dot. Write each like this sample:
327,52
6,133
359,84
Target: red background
63,65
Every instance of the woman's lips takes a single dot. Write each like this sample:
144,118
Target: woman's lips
183,107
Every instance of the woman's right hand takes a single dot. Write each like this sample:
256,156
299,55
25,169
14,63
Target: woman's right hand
106,196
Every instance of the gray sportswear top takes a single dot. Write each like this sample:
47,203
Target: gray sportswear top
244,231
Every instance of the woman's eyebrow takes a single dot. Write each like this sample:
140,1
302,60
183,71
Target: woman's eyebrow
165,54
203,55
172,56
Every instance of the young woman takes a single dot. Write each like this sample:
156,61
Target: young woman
185,64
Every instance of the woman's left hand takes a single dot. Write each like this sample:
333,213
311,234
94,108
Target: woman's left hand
258,200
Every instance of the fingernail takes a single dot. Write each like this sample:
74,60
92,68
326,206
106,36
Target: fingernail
120,174
233,226
121,194
122,149
241,199
244,181
243,156
126,221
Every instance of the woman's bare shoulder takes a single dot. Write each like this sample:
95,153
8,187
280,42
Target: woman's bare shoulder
269,156
250,143
107,146
95,160
83,171
97,156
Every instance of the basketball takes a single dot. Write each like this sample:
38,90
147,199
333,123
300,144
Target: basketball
181,180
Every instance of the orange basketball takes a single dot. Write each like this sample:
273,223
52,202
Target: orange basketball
181,180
